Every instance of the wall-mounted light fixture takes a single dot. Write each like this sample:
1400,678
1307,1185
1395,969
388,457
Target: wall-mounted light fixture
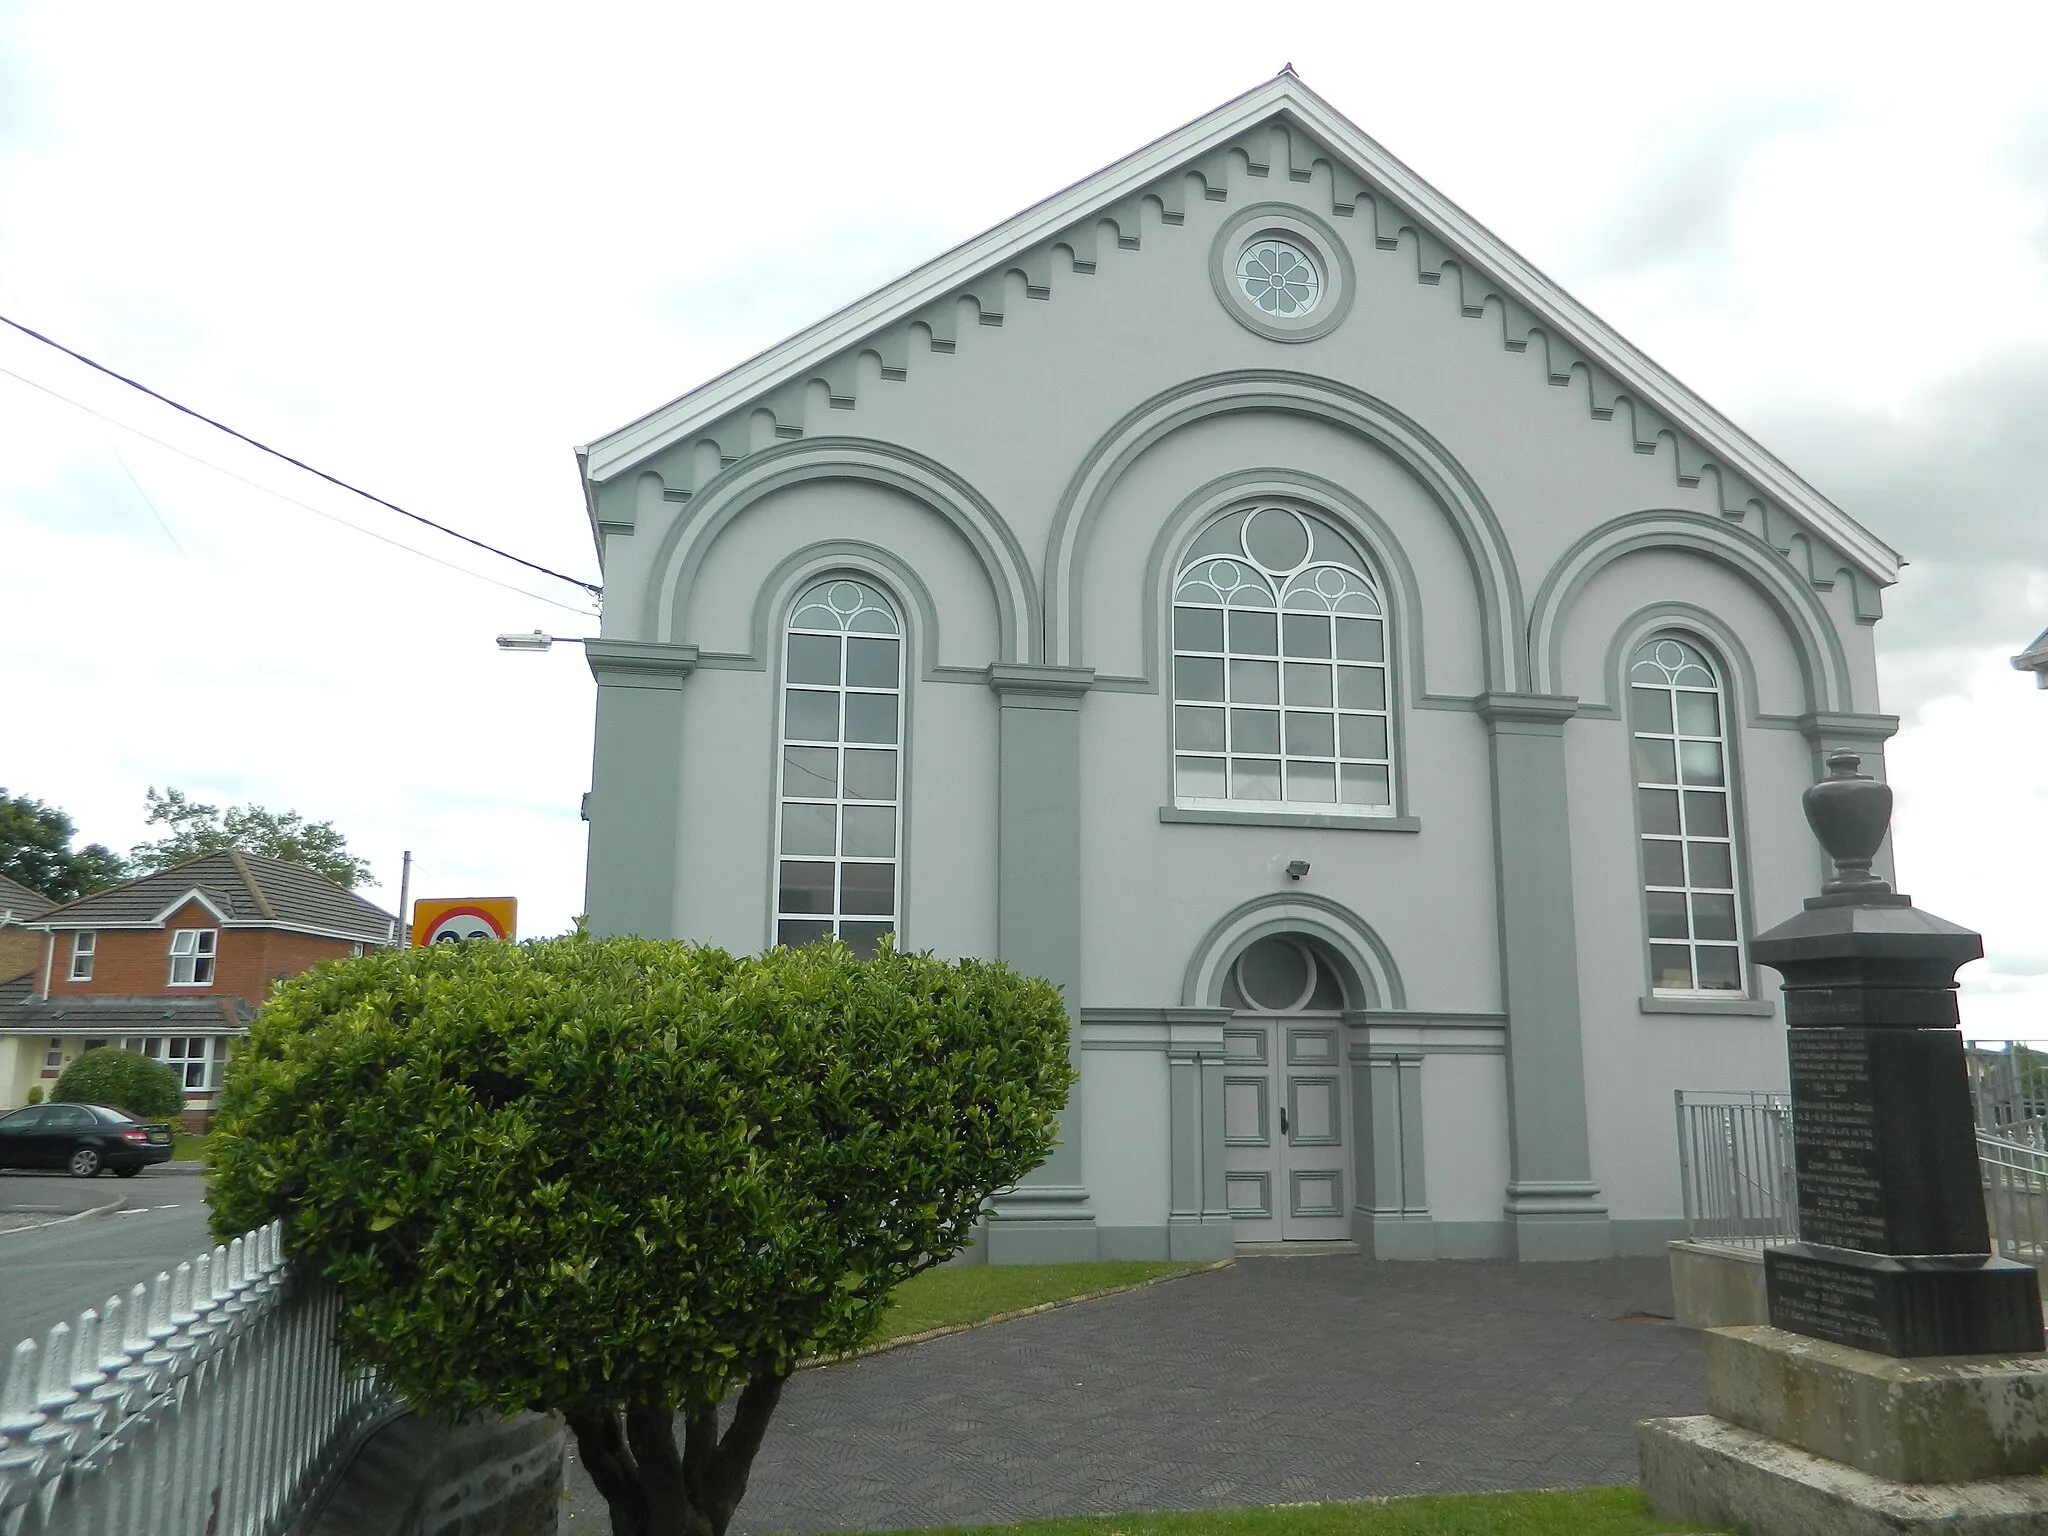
1296,868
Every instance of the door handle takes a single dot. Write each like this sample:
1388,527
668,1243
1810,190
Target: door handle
1283,1119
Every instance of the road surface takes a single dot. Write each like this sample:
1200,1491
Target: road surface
49,1275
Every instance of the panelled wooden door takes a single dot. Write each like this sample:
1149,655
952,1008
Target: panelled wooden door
1287,1160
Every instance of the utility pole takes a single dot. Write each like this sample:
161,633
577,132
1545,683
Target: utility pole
404,896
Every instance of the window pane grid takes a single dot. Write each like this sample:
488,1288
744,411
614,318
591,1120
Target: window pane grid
195,1058
1280,682
1679,747
839,831
192,952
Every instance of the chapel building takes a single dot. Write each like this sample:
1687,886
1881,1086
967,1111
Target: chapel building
1247,593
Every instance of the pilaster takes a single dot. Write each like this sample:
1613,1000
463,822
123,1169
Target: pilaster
635,803
1551,1205
1046,1218
1198,1223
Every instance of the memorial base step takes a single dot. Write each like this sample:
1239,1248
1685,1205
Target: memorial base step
1705,1471
1937,1420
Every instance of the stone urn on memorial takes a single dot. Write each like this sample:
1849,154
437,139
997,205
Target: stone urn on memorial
1900,1384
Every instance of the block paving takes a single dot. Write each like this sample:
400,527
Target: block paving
1277,1380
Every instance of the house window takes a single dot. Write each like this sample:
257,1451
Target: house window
82,947
192,957
841,778
195,1058
1280,675
53,1059
1678,726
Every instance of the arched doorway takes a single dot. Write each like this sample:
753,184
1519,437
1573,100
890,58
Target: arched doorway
1286,1130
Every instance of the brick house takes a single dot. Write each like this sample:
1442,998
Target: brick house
174,966
21,947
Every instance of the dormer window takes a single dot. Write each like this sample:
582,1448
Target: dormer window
192,957
82,947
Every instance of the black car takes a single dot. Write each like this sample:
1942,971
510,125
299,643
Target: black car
81,1139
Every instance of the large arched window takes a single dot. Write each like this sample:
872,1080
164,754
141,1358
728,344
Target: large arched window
841,794
1679,734
1280,677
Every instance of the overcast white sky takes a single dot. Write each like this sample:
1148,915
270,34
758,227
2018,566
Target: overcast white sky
432,248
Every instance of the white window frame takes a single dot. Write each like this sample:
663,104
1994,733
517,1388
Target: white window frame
194,951
1699,899
195,1058
83,946
1312,688
850,608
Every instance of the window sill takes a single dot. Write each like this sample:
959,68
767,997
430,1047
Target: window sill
1733,1007
1315,819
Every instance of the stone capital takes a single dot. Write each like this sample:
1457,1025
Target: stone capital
1022,686
1527,714
639,663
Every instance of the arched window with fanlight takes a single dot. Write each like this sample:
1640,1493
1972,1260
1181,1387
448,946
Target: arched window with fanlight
840,827
1280,673
1678,726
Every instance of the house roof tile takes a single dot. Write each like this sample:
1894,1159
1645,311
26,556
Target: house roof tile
21,1012
19,904
248,889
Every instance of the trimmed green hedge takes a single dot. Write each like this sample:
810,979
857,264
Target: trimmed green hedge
617,1178
122,1080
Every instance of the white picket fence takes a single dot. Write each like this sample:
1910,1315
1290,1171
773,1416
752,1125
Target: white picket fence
211,1402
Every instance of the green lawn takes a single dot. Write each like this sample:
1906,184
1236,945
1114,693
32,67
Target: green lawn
1570,1512
967,1293
187,1149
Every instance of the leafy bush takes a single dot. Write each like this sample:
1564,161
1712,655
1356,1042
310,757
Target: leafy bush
120,1079
35,1096
620,1179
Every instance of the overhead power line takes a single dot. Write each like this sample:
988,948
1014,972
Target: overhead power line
504,554
271,490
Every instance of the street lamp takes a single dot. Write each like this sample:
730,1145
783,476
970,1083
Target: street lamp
539,640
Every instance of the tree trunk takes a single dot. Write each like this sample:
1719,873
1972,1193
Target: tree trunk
653,1488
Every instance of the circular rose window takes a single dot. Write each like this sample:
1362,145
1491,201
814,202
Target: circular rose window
1279,278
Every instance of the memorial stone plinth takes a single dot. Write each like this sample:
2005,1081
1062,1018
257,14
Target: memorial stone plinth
1900,1386
1894,1253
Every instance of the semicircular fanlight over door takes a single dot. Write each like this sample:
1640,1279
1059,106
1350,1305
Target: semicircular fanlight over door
1286,1155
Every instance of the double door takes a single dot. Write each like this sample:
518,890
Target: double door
1286,1154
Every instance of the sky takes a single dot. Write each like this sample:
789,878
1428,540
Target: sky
431,249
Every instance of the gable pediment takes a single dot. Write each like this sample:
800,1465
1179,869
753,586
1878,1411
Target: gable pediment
1280,133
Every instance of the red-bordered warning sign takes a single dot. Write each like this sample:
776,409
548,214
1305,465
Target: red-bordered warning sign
451,920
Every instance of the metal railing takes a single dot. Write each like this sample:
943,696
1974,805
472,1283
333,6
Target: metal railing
2015,1198
1735,1168
1740,1188
2009,1088
212,1402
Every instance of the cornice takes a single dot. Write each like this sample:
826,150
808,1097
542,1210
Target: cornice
1543,710
1052,687
639,663
1279,127
1822,726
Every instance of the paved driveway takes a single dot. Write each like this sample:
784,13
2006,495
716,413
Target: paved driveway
1274,1381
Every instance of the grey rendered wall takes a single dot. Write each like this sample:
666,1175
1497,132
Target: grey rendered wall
741,598
1636,1058
1016,414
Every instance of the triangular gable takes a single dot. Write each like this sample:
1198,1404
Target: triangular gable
1279,128
195,894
